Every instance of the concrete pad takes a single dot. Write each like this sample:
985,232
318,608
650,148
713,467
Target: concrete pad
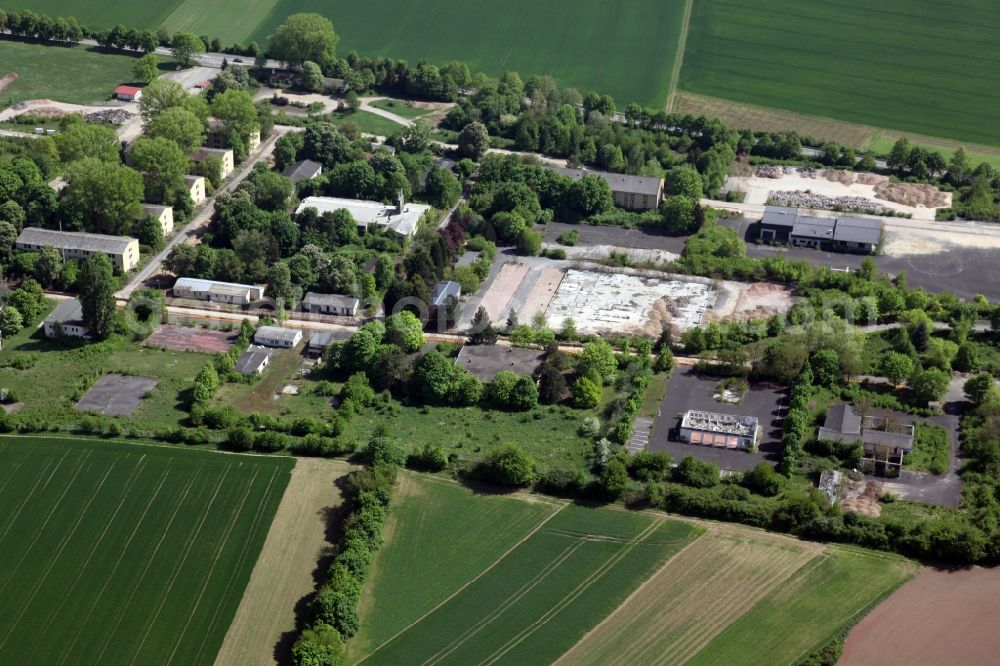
116,395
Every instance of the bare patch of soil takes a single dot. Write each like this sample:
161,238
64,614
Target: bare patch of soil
7,79
939,617
756,301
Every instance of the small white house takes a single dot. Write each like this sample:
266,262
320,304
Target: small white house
277,336
334,304
253,361
66,320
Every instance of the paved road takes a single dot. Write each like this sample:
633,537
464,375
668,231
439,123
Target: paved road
203,215
366,105
213,60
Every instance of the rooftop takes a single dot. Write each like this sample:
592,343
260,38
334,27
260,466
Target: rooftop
205,151
778,216
858,230
154,209
302,170
727,424
67,312
813,227
442,290
72,240
371,212
278,333
191,180
619,182
197,284
251,360
336,300
843,419
127,90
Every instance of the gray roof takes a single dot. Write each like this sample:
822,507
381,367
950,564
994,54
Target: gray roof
858,230
619,182
251,360
154,209
71,240
777,216
277,333
336,300
67,312
302,170
843,419
191,180
205,151
813,227
892,439
442,290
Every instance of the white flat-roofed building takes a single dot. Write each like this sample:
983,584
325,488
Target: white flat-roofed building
724,431
277,336
217,292
401,218
122,250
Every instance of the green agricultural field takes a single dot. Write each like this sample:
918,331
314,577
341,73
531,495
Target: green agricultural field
538,599
78,74
916,66
100,14
122,553
833,590
530,580
587,44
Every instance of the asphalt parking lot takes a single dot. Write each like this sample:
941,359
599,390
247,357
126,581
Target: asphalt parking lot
690,390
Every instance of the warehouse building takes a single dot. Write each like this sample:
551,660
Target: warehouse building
719,430
122,250
846,234
401,219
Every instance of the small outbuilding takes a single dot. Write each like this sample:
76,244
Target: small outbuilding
66,320
217,292
302,170
332,304
128,93
253,361
277,336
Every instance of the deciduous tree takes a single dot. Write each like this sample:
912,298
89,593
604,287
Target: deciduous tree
97,298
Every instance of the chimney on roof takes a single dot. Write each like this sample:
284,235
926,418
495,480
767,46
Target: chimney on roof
400,200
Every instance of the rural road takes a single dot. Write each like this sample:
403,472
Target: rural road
213,60
203,215
366,105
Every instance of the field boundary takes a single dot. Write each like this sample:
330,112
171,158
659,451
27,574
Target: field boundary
682,38
454,594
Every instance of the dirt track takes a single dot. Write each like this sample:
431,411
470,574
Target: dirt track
283,574
939,617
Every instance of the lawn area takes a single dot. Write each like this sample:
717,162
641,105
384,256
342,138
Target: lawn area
78,74
539,598
655,393
259,395
368,122
60,372
547,433
139,552
854,61
833,590
931,444
401,108
627,53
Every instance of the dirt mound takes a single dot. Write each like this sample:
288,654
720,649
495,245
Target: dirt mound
865,178
842,177
913,194
6,80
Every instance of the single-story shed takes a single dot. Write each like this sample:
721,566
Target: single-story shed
66,320
277,336
302,170
128,93
334,304
253,361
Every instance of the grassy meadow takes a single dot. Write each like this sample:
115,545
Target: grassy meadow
126,553
914,66
77,74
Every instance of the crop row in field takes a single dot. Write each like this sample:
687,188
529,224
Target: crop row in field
914,65
123,553
524,580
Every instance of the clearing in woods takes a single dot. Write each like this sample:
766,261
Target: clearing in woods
139,553
911,65
468,577
283,576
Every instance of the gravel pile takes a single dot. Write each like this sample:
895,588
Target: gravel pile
108,116
806,199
